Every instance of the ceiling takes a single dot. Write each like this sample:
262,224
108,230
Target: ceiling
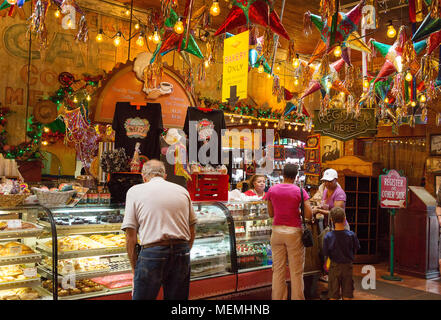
293,18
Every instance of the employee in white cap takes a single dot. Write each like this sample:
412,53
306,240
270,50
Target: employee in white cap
333,194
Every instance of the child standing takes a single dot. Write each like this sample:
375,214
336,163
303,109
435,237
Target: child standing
340,246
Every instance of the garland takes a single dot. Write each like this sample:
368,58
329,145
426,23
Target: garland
25,150
247,110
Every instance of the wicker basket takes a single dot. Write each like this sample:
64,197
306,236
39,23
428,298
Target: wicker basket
53,198
12,200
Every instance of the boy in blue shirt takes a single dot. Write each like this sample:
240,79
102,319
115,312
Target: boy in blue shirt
340,246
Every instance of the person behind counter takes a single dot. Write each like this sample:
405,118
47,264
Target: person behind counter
283,202
257,184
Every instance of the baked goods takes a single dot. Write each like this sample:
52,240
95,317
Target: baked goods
79,264
12,273
81,286
23,225
110,240
74,243
3,225
14,248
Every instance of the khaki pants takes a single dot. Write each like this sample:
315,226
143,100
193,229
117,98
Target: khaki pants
283,245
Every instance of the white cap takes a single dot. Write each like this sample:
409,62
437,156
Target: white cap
330,175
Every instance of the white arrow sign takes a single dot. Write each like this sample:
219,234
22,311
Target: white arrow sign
393,203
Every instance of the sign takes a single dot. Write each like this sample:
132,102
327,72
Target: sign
393,190
123,86
14,224
338,124
235,68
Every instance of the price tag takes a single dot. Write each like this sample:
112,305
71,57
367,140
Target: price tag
30,272
14,224
15,250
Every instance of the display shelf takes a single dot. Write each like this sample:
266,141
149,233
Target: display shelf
33,282
243,219
203,240
255,268
202,222
47,273
256,238
82,253
28,258
209,258
218,271
80,295
21,233
84,228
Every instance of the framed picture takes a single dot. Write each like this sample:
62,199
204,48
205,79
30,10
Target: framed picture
331,149
312,180
312,142
435,145
437,183
312,168
433,164
312,155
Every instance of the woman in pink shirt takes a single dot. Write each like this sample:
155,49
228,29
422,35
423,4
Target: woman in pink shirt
286,238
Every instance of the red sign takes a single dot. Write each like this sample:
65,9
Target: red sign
393,190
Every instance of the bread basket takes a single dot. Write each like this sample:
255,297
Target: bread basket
53,198
12,200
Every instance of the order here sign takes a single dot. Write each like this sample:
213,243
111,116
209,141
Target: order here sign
393,190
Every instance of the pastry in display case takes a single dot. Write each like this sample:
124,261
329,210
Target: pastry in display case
211,252
91,248
252,228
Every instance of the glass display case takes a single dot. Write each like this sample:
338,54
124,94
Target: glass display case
211,254
19,233
252,229
90,258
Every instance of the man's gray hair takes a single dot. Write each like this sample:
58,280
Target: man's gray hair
153,168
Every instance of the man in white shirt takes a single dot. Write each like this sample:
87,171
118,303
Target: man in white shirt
161,214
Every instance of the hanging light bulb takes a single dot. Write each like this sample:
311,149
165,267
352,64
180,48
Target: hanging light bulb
46,129
268,76
386,100
275,125
250,122
140,40
289,127
304,128
12,2
342,94
69,23
44,143
261,69
179,26
408,76
137,26
117,39
88,98
391,32
337,52
99,36
296,128
232,119
156,37
75,100
266,124
206,64
241,120
296,80
278,67
57,13
215,9
259,124
422,98
365,83
127,12
329,84
296,61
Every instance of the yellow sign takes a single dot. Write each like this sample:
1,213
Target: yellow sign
244,139
235,71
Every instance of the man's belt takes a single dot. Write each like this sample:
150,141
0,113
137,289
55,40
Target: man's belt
166,243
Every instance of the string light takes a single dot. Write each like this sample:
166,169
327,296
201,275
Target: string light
296,128
232,119
99,36
140,40
44,143
266,125
215,9
337,52
156,36
206,63
261,69
413,103
408,77
117,40
422,98
289,127
386,100
88,98
278,67
127,12
365,83
296,61
296,80
259,124
391,32
46,129
179,26
268,76
275,125
241,120
250,122
75,100
137,26
57,13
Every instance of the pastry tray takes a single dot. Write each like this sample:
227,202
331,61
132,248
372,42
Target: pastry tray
21,259
82,253
21,233
83,228
78,296
208,258
33,282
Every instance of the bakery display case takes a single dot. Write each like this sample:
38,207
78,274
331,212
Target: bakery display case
89,258
252,230
212,248
19,233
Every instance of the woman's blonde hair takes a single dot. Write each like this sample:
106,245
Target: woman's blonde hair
254,178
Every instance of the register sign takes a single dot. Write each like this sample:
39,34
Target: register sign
393,190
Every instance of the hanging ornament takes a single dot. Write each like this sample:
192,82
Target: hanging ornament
412,121
291,51
38,21
327,9
424,114
83,31
438,119
268,44
369,12
435,9
350,104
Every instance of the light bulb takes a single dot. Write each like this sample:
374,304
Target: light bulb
296,81
413,103
261,69
88,98
46,129
45,143
179,27
241,121
75,100
391,32
422,98
12,2
342,94
304,128
386,100
289,127
232,119
259,124
57,13
275,125
250,122
156,37
296,62
268,76
99,36
117,39
69,23
266,124
150,38
365,83
278,67
296,128
206,64
329,84
140,41
408,77
337,52
127,12
215,9
137,26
